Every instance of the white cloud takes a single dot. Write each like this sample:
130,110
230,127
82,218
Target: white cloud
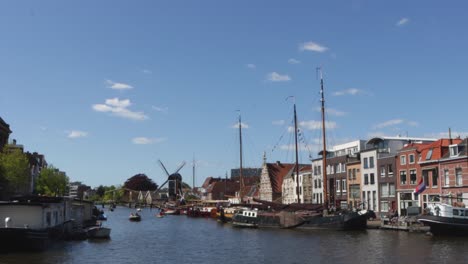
291,147
351,91
147,141
276,77
119,108
146,71
293,61
402,21
243,125
251,66
278,122
118,86
312,46
160,109
77,134
395,122
388,123
454,134
332,111
314,125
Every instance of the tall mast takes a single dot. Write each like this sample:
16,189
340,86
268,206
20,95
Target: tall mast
241,178
324,151
193,173
297,162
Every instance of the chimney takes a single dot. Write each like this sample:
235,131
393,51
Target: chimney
450,136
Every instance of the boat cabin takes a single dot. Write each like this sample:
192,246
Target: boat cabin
447,210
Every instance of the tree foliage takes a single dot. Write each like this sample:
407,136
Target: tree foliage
14,167
52,182
140,182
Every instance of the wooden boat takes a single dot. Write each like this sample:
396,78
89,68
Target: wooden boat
98,232
134,217
445,219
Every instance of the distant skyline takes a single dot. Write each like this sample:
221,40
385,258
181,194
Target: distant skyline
106,88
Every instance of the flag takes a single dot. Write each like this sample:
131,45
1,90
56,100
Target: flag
421,186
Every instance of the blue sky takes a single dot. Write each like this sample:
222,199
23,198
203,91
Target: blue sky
106,88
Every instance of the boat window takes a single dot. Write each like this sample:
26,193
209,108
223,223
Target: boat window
455,212
462,212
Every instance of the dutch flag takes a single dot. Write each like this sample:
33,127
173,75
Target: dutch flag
421,186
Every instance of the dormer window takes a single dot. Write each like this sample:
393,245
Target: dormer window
453,150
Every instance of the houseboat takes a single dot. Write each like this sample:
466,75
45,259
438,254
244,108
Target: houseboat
30,222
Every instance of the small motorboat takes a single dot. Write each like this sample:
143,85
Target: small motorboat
135,217
98,232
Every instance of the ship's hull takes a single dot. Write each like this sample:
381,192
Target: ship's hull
445,225
343,221
23,239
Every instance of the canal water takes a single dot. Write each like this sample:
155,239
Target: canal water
179,239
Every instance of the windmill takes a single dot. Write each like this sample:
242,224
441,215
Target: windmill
174,180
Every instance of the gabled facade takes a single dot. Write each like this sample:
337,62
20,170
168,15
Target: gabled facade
317,182
271,180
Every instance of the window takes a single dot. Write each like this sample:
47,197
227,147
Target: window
338,190
391,190
371,162
343,167
390,170
48,218
384,206
350,174
402,160
382,171
366,179
354,173
372,178
412,176
435,179
343,185
403,177
374,201
411,158
384,190
446,178
366,164
458,176
429,155
453,150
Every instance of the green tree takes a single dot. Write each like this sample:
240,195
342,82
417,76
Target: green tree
15,170
52,182
140,182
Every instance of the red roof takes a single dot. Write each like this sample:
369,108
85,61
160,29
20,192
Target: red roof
277,172
438,148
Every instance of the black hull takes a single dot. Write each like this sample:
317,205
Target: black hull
445,225
23,239
344,221
279,220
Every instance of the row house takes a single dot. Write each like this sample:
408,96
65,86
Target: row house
337,185
407,169
290,185
454,168
377,186
354,183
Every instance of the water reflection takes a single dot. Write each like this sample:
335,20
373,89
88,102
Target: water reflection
178,239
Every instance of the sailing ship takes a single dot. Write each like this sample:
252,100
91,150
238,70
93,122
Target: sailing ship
253,217
340,220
